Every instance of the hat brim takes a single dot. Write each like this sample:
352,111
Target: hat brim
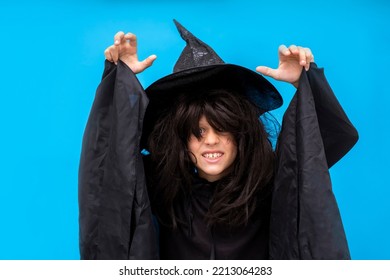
163,93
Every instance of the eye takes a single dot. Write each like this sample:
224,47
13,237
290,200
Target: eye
202,131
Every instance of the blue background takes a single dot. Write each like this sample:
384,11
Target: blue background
52,60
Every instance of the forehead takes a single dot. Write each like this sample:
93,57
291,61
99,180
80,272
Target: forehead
203,121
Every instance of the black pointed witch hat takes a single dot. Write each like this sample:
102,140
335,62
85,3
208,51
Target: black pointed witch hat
200,69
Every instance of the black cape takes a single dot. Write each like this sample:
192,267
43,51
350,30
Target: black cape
114,209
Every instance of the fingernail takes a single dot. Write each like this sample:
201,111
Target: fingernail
116,41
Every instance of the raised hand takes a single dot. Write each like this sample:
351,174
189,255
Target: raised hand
125,49
291,61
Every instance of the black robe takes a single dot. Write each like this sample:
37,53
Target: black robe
115,214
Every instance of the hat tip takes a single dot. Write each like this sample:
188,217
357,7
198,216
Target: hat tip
177,24
184,33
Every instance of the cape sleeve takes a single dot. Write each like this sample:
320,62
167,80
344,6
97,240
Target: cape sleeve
114,210
337,132
316,133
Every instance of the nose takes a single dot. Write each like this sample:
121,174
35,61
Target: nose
211,137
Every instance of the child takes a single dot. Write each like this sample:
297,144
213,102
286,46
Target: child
217,188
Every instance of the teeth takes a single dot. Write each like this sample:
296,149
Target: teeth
213,155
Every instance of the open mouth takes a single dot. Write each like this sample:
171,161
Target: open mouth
212,155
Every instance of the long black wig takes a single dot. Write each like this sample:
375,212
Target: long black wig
237,195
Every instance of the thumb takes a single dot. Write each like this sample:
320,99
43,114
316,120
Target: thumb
267,71
148,61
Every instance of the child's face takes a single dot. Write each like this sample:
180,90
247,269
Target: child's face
214,153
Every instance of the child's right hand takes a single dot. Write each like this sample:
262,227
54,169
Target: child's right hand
125,49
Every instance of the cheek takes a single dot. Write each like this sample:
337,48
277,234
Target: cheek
231,144
192,144
233,148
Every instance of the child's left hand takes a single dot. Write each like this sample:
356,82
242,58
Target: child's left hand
291,61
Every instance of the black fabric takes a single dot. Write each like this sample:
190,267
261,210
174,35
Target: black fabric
115,216
337,132
316,133
194,239
196,53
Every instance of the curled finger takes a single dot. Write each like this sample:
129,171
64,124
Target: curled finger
293,49
114,51
283,50
309,55
118,37
302,56
131,38
107,55
111,53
